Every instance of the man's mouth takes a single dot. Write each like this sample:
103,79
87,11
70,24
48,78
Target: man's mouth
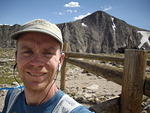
36,74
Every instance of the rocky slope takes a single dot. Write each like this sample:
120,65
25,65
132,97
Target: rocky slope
96,33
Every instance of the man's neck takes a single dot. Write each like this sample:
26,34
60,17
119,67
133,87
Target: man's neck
36,98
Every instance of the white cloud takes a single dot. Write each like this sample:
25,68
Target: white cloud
107,8
60,13
72,4
71,11
81,16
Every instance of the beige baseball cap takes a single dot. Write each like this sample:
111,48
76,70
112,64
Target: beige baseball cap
42,26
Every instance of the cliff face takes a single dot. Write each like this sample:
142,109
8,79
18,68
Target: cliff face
5,31
96,33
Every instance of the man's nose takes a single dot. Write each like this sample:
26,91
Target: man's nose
37,60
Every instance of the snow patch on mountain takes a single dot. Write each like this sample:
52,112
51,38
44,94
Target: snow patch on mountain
84,25
113,24
144,39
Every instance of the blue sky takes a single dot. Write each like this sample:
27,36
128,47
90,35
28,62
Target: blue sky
134,12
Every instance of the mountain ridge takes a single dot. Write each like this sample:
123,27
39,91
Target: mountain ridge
98,32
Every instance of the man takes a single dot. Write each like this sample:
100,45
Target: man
38,59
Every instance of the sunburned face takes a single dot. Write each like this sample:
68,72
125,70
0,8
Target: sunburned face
38,56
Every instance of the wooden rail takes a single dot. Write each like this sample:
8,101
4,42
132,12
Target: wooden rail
132,77
108,72
119,60
109,106
94,57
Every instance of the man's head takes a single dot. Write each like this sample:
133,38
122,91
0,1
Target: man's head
38,55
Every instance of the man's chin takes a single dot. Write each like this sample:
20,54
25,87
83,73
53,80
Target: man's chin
35,87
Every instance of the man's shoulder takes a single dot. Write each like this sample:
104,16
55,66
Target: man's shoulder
81,109
68,105
12,93
11,97
65,104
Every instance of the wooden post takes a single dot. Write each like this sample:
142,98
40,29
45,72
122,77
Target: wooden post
63,69
133,81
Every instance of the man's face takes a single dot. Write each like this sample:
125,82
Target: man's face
38,56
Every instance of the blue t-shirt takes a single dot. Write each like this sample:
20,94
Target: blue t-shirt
20,106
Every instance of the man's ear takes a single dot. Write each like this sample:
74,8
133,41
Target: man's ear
62,57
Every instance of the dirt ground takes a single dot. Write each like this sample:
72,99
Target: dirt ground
88,88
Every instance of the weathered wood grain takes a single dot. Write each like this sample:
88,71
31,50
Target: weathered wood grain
133,81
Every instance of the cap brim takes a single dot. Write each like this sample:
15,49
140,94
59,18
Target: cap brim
15,35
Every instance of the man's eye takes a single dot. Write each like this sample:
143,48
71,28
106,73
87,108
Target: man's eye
49,53
27,53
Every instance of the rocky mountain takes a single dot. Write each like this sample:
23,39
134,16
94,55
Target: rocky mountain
96,33
5,31
101,33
